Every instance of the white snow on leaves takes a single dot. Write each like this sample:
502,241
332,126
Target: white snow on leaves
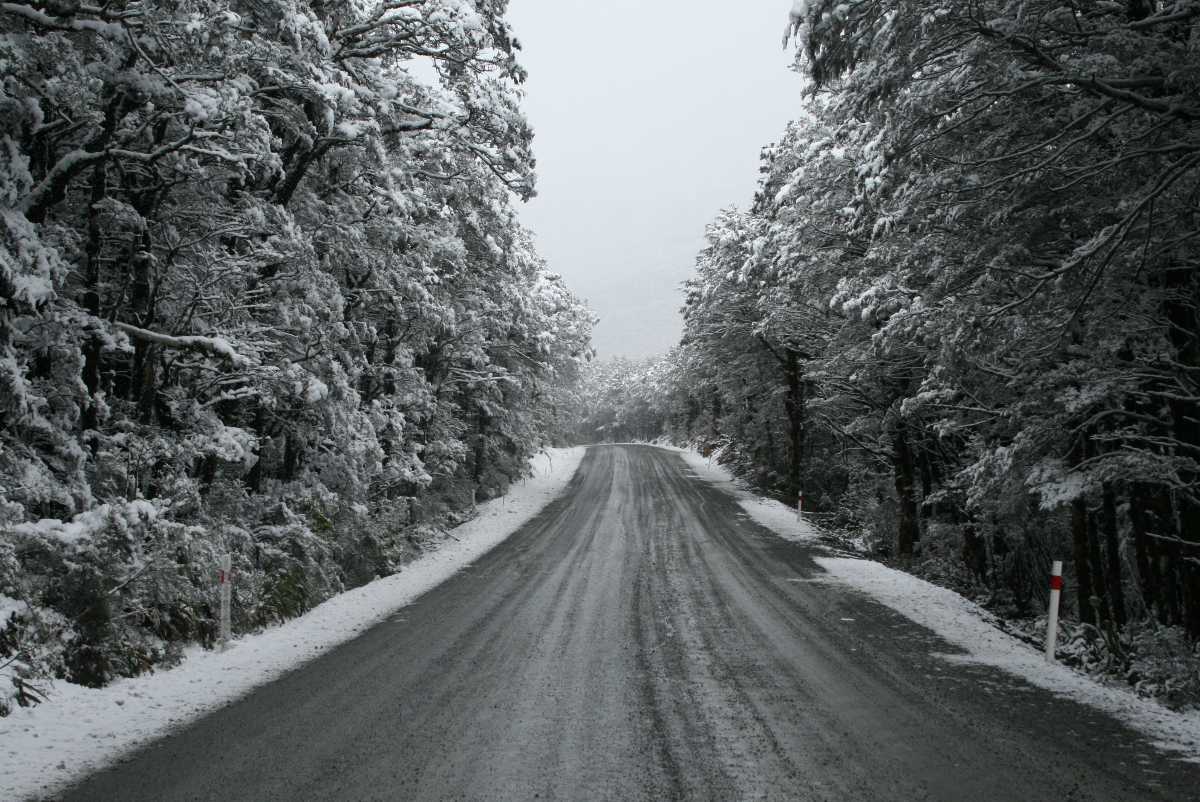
86,524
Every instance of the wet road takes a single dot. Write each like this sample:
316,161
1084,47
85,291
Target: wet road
642,639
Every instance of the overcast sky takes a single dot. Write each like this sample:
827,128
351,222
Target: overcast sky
649,117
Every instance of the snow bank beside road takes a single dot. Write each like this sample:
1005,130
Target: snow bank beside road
775,515
965,624
80,729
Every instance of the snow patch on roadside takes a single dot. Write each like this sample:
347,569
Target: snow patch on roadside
963,623
79,730
775,515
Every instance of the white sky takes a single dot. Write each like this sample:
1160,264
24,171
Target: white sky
649,117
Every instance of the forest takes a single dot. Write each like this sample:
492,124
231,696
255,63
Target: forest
263,292
962,314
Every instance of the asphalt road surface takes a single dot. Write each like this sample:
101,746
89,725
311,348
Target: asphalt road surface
642,639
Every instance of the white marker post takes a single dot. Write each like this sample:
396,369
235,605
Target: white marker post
1056,585
224,575
800,508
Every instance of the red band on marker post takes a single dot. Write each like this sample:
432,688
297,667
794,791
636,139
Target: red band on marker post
1056,585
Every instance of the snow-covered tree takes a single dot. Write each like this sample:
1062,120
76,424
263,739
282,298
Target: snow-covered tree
262,289
978,238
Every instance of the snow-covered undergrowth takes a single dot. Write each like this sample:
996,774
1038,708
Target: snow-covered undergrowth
1158,662
78,730
963,623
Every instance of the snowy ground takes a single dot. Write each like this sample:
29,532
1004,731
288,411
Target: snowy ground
774,515
81,729
965,624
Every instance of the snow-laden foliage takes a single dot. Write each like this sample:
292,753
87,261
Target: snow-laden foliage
963,307
262,290
623,400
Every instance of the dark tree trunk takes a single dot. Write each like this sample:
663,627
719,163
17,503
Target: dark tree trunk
974,553
1096,564
1079,555
207,472
296,172
91,297
1112,553
254,476
926,466
907,531
1180,308
291,456
766,454
1143,549
147,382
481,423
1192,598
1089,568
794,405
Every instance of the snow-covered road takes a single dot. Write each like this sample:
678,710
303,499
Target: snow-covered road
644,638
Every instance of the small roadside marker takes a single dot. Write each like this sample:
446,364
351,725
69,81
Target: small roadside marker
1056,586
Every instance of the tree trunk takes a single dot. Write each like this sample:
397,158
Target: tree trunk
974,553
480,455
1079,554
147,383
1143,549
1183,288
926,468
1093,603
254,476
90,299
1112,553
907,532
1096,565
794,404
291,456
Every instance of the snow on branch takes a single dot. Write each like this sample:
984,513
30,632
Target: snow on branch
53,187
31,14
216,346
